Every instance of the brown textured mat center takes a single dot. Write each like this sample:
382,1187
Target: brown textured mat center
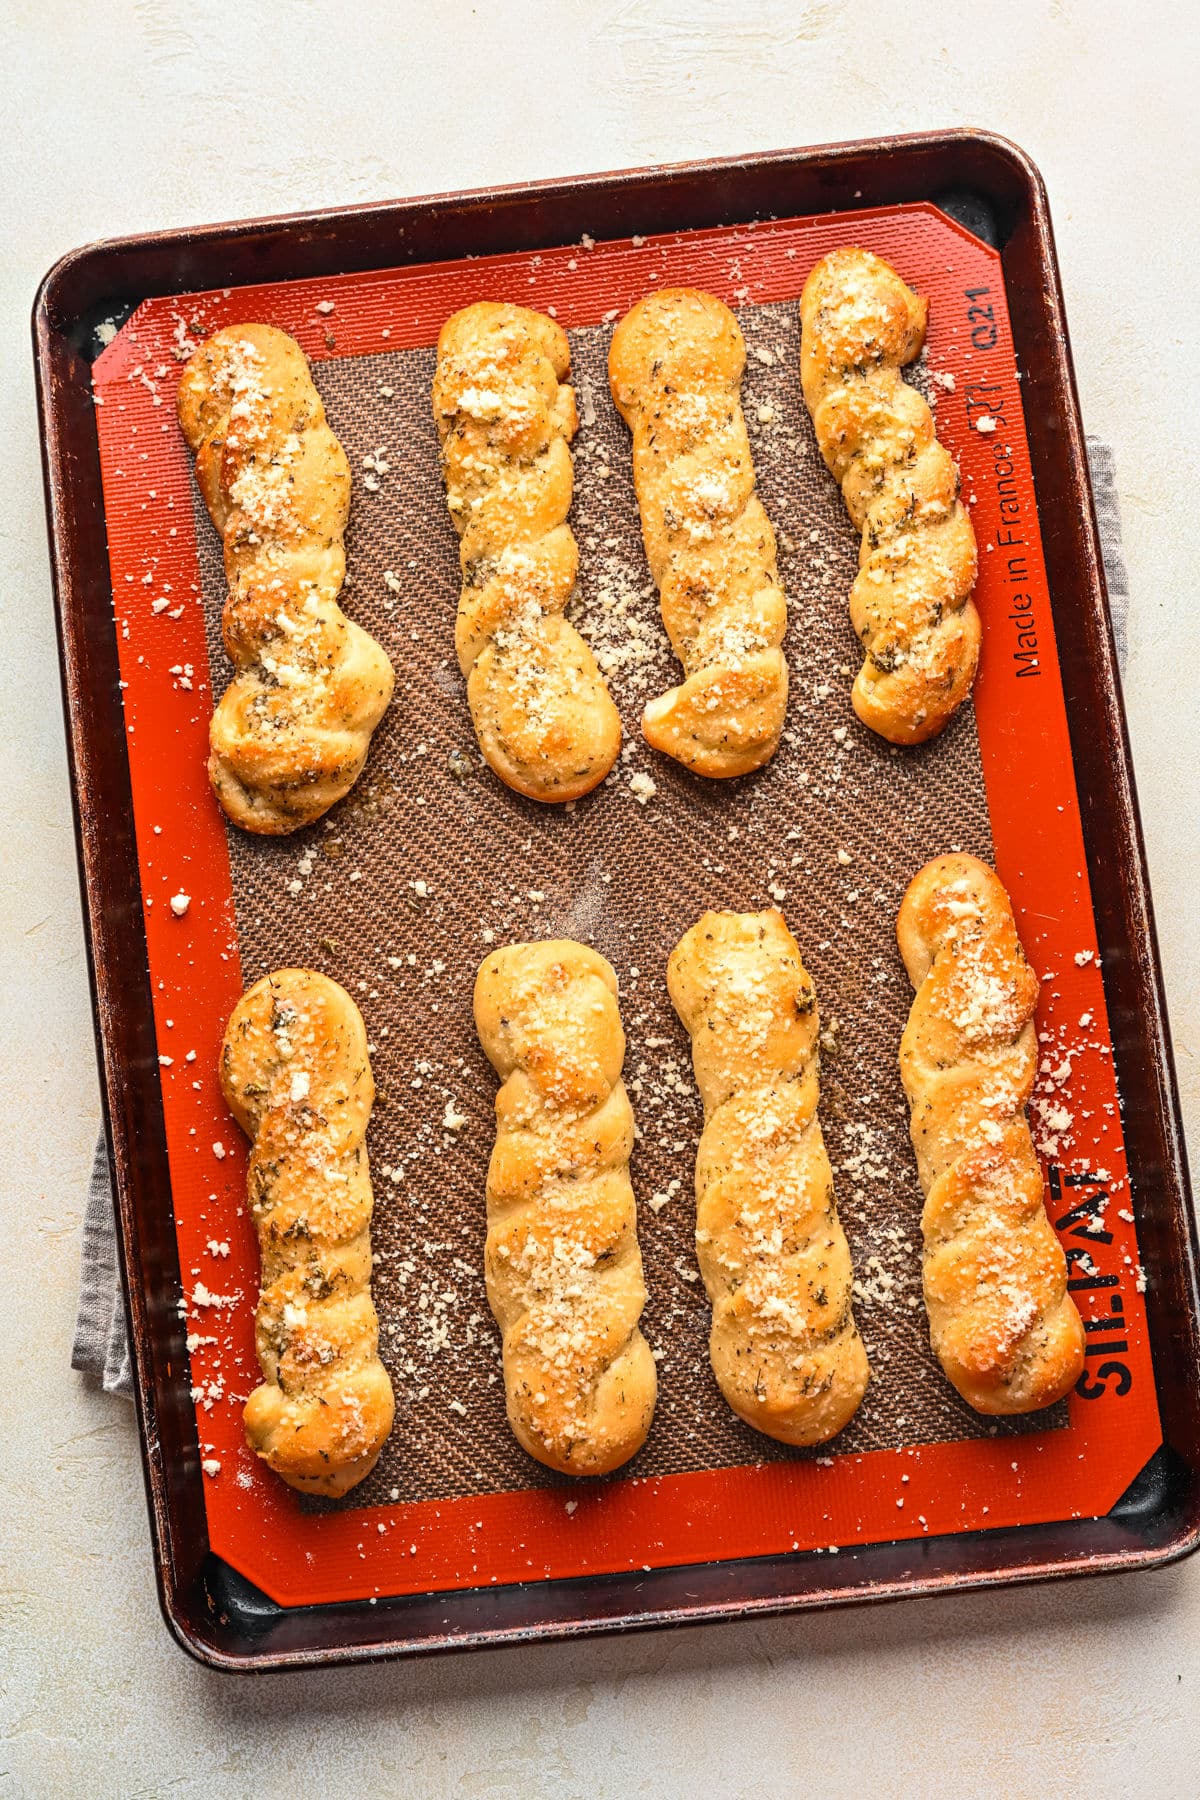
400,893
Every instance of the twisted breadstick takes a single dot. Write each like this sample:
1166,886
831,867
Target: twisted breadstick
292,730
295,1073
911,601
675,368
784,1346
543,716
564,1272
1001,1321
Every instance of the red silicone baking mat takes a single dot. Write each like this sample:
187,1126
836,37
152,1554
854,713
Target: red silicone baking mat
1071,1468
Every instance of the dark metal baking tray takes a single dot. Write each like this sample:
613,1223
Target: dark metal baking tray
991,187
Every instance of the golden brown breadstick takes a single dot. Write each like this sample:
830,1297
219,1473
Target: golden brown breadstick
293,727
543,716
295,1073
675,368
785,1349
564,1272
1001,1320
911,602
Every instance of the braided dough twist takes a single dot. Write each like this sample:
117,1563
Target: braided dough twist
295,1073
544,718
564,1272
292,730
1001,1321
675,368
784,1346
911,602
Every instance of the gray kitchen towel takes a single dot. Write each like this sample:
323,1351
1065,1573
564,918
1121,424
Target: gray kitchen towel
101,1348
1103,468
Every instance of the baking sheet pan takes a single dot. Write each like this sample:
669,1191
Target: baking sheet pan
783,1502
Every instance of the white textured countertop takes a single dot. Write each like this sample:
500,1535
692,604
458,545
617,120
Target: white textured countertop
154,114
